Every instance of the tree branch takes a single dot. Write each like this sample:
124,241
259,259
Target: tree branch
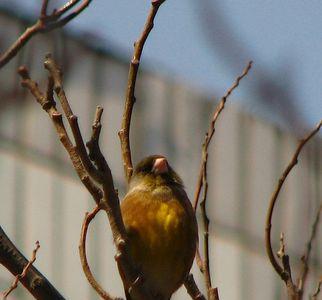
284,271
14,261
212,128
45,23
82,253
94,150
202,183
50,107
107,197
306,257
317,291
193,289
57,85
23,274
124,133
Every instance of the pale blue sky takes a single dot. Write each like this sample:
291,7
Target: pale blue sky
284,38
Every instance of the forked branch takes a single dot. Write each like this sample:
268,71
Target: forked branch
91,175
23,274
48,104
35,282
45,23
284,271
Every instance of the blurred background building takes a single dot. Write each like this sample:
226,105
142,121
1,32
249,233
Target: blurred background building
42,199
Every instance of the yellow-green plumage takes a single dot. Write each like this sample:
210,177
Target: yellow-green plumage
162,231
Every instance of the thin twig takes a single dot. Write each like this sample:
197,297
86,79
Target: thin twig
193,289
202,183
307,254
83,257
67,6
94,150
283,256
281,252
199,261
44,23
206,262
317,291
49,106
35,282
124,133
56,74
212,129
274,197
23,273
280,270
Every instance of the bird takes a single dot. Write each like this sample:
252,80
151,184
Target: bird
161,226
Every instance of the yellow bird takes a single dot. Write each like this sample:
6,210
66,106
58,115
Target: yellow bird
161,225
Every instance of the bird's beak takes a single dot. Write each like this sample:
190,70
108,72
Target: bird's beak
160,166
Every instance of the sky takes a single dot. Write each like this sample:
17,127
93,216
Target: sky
207,43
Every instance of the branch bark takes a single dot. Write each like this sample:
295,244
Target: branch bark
105,196
193,289
284,271
45,23
203,184
307,255
35,282
124,133
23,274
82,253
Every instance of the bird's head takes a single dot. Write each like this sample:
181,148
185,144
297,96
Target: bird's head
155,169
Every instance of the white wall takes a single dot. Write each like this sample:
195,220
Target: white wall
43,200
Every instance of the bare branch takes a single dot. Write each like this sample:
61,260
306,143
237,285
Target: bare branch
95,153
44,6
55,20
44,23
202,183
57,13
18,277
206,261
281,254
13,260
307,254
212,129
274,197
124,133
49,106
284,273
82,253
193,289
199,261
317,291
108,198
57,83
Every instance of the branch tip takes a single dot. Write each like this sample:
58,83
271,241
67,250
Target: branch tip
284,270
124,133
23,72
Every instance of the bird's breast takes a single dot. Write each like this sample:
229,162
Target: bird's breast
162,236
